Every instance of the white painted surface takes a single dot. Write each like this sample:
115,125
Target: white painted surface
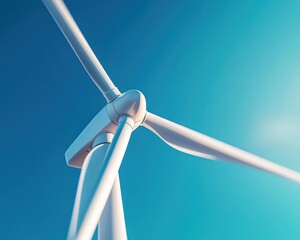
112,223
68,26
197,144
96,180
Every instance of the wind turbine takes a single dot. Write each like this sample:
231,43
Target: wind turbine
100,148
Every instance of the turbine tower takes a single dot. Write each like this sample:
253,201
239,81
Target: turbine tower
101,146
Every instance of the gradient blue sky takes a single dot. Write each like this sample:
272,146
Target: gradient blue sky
229,69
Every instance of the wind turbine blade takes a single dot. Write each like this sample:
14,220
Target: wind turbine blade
197,144
69,28
112,223
97,177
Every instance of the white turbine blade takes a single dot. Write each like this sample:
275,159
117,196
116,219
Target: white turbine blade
194,143
112,222
87,185
68,26
97,177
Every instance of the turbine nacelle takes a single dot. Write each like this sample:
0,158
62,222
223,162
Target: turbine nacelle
131,103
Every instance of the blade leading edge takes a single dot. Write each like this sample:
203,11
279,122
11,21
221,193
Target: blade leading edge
71,31
197,144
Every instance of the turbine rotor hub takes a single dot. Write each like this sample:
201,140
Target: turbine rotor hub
131,103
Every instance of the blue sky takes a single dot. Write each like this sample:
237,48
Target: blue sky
229,69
